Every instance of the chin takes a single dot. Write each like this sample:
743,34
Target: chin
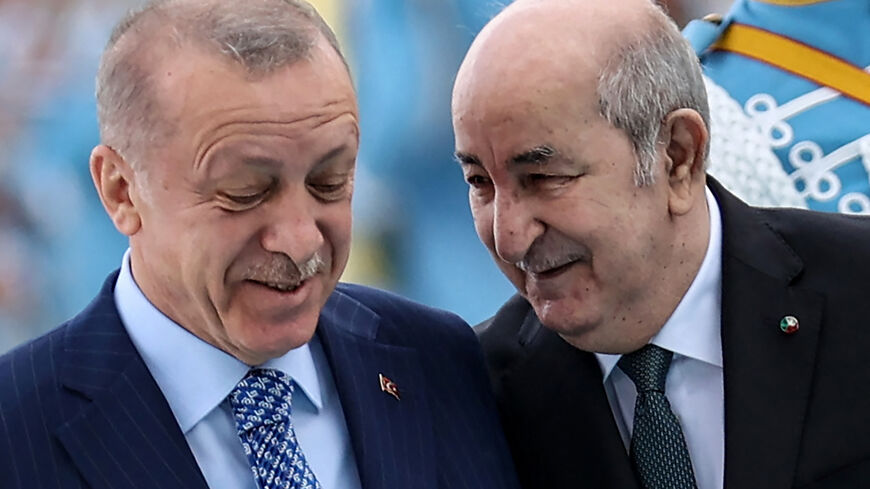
267,342
567,321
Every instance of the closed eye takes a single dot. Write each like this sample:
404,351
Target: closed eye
333,188
327,188
545,179
245,199
241,200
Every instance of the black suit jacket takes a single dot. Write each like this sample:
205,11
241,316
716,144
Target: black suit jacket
79,408
797,406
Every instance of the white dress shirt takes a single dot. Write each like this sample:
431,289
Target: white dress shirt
694,385
195,377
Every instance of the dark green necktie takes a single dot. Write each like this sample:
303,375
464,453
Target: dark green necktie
658,449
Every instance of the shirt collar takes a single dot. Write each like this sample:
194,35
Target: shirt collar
693,330
194,376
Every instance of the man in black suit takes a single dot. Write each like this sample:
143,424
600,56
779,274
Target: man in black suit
665,334
224,353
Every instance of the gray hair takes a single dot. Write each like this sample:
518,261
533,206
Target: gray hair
649,77
259,35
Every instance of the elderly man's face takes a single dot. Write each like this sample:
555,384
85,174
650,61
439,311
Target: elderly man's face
552,194
246,212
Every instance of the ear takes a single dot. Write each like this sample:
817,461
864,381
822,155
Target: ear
685,137
113,178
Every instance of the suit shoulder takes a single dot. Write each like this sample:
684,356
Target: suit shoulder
413,316
505,324
821,225
502,336
29,374
507,320
834,241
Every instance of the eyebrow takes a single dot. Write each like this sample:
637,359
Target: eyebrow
535,156
270,162
261,161
466,159
538,155
332,154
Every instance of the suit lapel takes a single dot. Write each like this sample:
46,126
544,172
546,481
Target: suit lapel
392,438
767,373
126,436
574,441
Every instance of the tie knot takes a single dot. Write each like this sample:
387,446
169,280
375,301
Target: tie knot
263,397
647,367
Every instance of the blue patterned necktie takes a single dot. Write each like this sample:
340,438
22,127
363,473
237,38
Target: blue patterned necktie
261,405
658,450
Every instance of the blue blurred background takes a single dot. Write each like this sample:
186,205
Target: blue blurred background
413,231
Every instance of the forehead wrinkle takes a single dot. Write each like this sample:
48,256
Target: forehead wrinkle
204,151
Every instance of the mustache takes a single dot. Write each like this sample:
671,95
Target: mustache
552,251
281,269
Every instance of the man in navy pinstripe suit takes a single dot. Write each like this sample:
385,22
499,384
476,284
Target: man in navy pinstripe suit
230,136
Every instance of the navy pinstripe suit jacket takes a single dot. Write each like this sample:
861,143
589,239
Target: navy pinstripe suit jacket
79,409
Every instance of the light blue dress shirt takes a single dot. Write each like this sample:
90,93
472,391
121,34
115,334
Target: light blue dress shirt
196,377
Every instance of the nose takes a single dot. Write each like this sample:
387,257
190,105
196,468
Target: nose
514,227
293,227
